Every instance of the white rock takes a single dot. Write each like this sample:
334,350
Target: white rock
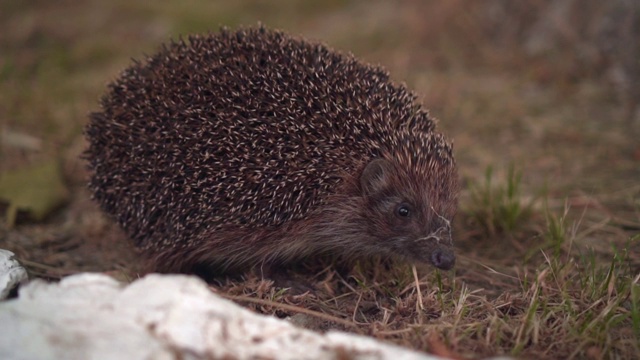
92,316
11,273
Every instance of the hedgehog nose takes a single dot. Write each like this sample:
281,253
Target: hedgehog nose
443,259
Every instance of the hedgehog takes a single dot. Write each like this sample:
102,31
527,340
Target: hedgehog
253,147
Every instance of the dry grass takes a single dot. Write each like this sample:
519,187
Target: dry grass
540,97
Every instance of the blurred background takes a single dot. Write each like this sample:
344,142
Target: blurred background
549,87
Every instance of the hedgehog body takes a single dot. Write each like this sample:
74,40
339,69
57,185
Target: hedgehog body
247,147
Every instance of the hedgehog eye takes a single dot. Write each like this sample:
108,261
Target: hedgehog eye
403,210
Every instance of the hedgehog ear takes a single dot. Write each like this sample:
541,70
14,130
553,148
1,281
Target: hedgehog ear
374,176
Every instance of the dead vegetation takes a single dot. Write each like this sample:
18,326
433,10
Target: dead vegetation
540,97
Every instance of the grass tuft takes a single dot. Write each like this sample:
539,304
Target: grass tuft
499,208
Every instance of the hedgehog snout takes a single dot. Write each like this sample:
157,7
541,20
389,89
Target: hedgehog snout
443,258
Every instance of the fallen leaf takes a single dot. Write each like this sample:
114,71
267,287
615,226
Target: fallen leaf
37,189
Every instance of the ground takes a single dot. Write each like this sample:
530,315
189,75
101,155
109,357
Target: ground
540,98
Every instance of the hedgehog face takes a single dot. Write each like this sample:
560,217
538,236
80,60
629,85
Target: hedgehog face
411,217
